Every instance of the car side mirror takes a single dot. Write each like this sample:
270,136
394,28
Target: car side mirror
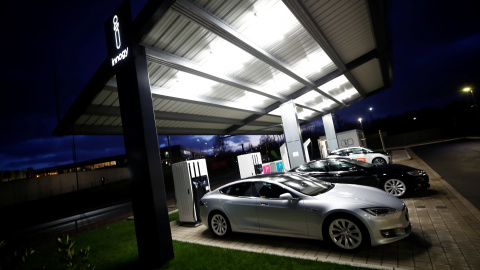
287,196
364,151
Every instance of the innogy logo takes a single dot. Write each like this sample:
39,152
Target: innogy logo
116,29
118,42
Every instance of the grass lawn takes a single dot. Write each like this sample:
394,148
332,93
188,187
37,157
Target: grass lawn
115,247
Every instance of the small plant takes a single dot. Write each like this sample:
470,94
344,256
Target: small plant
67,251
11,259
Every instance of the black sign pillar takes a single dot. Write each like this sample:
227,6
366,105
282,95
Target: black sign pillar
149,201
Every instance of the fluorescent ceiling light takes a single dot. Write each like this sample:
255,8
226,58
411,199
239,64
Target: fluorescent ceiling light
313,63
347,94
251,99
191,85
223,57
280,82
334,84
324,105
305,113
311,98
268,23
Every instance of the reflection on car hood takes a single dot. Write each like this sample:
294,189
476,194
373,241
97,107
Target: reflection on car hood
367,196
393,167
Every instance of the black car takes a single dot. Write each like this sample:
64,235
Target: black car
395,179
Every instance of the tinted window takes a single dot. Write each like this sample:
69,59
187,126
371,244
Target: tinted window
338,153
317,166
357,151
334,165
304,168
360,163
269,190
240,189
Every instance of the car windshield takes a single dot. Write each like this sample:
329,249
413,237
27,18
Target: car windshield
306,185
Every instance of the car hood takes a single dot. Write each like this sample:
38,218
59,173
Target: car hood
393,168
361,196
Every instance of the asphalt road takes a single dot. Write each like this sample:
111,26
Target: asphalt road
458,162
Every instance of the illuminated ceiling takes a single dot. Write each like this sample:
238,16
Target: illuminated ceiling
224,67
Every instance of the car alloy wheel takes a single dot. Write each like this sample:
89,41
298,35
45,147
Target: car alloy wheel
395,187
345,233
379,161
219,224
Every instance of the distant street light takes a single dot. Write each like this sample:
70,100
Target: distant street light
360,120
363,134
469,89
370,109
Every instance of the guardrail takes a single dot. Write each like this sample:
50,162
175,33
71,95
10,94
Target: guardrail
73,223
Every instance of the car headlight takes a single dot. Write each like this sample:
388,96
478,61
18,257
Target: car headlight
416,173
380,211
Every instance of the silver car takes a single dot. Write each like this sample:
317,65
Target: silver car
349,216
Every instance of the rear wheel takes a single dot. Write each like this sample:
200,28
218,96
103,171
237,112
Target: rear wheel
346,232
219,224
379,161
396,187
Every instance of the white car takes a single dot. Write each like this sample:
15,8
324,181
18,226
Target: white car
363,154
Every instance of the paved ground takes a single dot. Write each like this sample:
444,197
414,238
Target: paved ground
459,165
445,233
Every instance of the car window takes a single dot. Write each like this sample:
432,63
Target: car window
269,190
360,163
304,168
317,166
357,151
335,165
240,189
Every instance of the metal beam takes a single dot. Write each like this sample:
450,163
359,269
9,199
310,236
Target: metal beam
332,75
169,95
379,22
305,18
186,65
220,28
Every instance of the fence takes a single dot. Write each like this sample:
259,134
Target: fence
24,190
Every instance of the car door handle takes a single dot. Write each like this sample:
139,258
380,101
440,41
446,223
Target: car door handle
265,204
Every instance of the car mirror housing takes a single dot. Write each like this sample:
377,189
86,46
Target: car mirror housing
287,196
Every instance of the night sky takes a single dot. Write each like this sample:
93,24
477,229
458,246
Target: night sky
436,52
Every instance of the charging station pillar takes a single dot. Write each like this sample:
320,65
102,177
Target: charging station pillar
330,132
293,135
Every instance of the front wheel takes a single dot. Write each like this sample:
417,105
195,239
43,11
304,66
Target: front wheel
395,187
379,161
219,224
346,232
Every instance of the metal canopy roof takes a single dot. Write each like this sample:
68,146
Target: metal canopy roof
224,67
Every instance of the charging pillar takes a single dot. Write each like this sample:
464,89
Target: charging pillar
330,132
293,135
